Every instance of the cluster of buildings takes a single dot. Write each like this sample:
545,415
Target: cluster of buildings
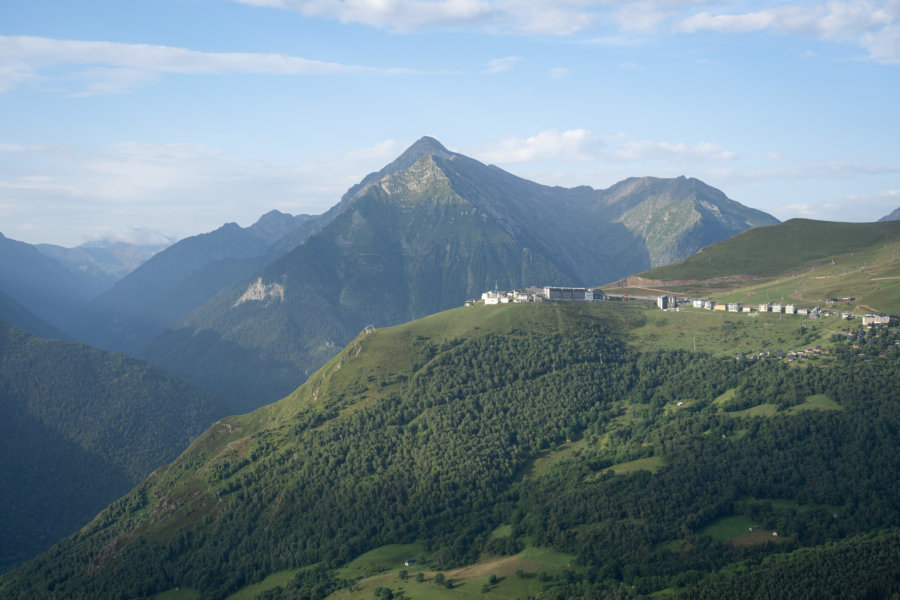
668,301
665,302
542,294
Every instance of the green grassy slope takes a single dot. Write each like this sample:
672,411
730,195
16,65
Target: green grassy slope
799,261
544,444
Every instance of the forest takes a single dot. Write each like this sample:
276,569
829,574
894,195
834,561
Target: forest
438,441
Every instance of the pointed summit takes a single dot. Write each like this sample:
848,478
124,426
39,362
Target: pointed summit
425,146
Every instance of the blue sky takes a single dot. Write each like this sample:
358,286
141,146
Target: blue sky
170,117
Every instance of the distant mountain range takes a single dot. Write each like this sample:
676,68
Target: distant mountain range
423,234
172,283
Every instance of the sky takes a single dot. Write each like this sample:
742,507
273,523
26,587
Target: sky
158,119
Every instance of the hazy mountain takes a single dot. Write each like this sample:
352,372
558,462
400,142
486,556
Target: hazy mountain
42,285
554,450
175,281
893,216
78,428
106,261
14,313
423,234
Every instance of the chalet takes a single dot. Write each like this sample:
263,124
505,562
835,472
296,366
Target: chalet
790,309
709,305
469,303
746,309
722,307
734,307
697,303
763,308
802,311
776,308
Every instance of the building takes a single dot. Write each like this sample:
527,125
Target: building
870,320
763,308
734,307
573,294
709,305
697,303
790,309
776,308
493,297
721,307
667,301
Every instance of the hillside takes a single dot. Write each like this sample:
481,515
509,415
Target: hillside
15,314
544,449
801,260
79,428
430,230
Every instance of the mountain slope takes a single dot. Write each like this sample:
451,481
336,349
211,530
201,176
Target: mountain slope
802,260
678,217
42,285
78,428
15,314
425,233
490,432
177,280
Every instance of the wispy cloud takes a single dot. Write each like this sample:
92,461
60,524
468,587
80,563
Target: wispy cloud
91,192
869,24
573,144
524,16
583,145
873,25
559,72
645,150
113,67
499,65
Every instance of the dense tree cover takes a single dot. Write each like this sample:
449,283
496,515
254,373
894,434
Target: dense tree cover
78,428
440,450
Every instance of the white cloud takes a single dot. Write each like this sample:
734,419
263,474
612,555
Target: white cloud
500,65
870,24
397,15
113,67
80,194
559,72
643,150
556,17
573,144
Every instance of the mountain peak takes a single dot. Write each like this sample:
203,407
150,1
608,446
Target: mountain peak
425,146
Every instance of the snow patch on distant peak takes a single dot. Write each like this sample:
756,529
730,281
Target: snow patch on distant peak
259,291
